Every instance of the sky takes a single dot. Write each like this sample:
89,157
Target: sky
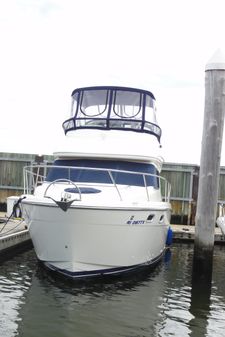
50,47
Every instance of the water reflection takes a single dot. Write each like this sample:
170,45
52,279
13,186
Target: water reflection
216,318
175,314
14,282
163,302
118,307
200,305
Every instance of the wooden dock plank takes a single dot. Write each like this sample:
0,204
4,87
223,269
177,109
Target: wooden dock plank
187,233
14,235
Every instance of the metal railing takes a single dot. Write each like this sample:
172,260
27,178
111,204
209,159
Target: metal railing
35,175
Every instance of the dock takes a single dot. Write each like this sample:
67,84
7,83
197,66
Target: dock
14,236
185,233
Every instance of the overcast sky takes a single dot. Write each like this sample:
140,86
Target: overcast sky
50,47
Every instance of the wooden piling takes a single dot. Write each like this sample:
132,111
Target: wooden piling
210,161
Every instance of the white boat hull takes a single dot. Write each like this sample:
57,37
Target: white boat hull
221,223
88,241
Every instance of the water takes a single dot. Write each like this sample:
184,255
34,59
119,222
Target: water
163,302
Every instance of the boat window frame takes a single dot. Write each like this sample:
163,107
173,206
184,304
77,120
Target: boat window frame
110,122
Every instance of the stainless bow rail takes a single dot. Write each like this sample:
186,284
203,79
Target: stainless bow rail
35,175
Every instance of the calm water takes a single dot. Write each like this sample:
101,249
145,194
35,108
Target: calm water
163,302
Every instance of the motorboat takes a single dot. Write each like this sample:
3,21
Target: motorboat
101,208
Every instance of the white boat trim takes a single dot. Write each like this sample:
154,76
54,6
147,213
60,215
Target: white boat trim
111,208
136,158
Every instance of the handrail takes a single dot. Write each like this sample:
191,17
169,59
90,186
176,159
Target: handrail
61,181
33,179
146,187
114,183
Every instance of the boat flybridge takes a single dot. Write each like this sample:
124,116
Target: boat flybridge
101,208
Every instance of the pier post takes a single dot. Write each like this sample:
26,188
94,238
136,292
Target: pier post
210,163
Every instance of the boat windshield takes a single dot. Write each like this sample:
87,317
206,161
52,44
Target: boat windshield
113,108
87,170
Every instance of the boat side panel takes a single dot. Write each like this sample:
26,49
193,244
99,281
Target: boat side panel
96,237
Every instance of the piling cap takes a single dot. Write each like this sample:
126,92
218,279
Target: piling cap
217,61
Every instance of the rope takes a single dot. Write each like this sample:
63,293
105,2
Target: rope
15,206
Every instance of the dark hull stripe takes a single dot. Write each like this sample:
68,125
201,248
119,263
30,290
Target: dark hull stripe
102,272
